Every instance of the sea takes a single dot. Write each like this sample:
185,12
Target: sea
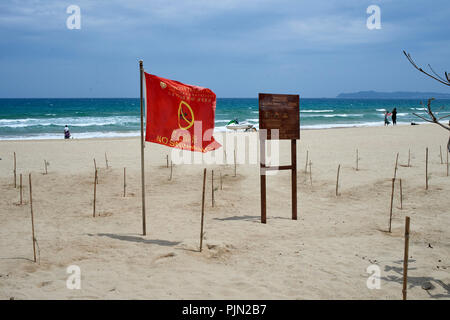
22,119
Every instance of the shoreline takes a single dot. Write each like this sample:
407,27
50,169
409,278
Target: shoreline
137,134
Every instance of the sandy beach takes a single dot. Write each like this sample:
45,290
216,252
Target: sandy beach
322,255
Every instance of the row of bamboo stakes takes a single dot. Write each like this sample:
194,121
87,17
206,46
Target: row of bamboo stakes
407,220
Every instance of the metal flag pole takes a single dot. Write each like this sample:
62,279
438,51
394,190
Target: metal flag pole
141,67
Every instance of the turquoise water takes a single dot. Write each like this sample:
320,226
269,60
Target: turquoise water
90,118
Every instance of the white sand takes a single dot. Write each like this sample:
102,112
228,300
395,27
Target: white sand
323,255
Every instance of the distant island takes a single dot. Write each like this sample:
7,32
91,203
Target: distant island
393,95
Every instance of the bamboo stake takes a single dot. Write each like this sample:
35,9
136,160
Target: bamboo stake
440,152
212,188
106,160
310,172
235,162
124,182
220,180
337,180
426,170
405,259
171,169
167,160
45,165
306,163
401,195
447,162
409,158
203,209
357,160
396,166
95,168
15,175
95,192
32,219
21,189
392,202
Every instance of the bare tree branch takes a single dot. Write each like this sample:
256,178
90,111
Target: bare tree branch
438,78
429,66
444,117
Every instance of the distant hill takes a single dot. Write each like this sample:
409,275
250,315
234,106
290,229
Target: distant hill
393,95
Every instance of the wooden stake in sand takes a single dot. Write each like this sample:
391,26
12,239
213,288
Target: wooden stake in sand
447,162
21,189
212,188
95,168
306,163
337,180
32,219
235,162
405,259
167,161
171,170
310,171
124,181
203,209
357,159
141,71
95,192
396,166
220,180
392,202
426,169
401,195
45,166
106,160
15,175
440,152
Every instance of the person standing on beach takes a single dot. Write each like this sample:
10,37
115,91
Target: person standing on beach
394,116
386,120
66,132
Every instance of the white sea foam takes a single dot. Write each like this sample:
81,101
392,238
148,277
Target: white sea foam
82,135
338,115
314,111
71,122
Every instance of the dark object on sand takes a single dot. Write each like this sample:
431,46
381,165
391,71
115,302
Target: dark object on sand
427,285
414,124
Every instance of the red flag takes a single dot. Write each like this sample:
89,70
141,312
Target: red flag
180,115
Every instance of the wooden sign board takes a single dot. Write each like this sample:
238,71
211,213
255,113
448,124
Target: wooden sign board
281,112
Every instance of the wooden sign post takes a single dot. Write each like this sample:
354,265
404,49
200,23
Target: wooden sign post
279,112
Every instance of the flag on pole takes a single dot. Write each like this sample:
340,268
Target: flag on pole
180,115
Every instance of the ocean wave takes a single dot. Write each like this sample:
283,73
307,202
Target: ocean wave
338,115
82,135
381,110
313,111
352,125
71,122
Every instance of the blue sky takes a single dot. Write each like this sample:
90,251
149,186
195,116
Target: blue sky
235,47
